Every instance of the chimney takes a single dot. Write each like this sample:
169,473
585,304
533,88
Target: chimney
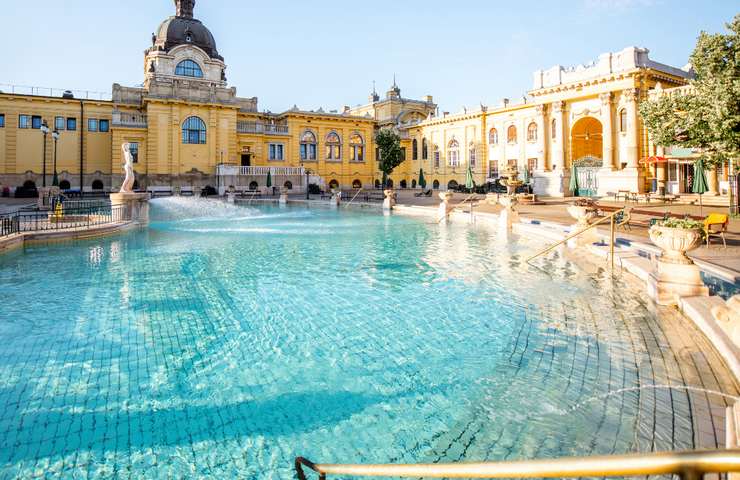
429,99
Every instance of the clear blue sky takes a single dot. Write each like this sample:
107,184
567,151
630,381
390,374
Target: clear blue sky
327,52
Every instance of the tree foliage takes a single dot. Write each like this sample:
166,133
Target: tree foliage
707,116
389,147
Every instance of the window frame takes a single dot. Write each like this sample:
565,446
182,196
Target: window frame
623,121
436,156
2,120
415,149
308,148
453,153
102,122
24,122
493,136
512,135
36,122
71,124
60,124
357,149
134,150
333,148
273,148
424,149
532,132
472,154
189,133
92,125
192,70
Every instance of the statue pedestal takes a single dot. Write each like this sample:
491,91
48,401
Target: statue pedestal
231,197
390,200
444,207
336,198
670,281
136,206
508,216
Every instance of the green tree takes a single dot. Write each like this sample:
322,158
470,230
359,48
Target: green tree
389,147
708,115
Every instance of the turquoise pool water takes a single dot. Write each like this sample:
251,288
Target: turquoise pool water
223,341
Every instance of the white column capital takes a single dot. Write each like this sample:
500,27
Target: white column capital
606,98
558,107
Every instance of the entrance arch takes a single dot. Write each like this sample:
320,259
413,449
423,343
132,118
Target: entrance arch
587,139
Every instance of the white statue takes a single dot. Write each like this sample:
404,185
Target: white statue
128,168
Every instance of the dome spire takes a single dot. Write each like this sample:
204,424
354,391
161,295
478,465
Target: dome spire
185,8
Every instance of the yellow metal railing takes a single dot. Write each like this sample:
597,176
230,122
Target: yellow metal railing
687,465
612,233
470,197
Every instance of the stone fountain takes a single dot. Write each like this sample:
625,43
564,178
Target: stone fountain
137,204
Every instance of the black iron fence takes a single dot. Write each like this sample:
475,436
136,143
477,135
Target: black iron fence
63,219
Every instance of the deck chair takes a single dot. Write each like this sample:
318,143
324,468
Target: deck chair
715,225
622,219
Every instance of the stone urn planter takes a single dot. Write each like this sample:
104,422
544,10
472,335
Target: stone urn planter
675,274
283,196
583,214
676,242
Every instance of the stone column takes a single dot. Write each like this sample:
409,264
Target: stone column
542,135
607,156
557,152
662,171
631,97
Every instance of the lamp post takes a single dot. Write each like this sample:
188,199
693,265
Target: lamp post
307,172
55,136
45,131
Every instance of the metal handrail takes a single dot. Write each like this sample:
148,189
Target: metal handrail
609,217
687,465
459,204
353,198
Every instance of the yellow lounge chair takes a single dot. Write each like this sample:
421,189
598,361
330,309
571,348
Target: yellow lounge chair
716,225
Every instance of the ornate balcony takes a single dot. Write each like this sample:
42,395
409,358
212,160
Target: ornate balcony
261,128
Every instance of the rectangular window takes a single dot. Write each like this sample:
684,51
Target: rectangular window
104,126
59,123
2,120
403,154
436,159
36,122
134,148
92,124
493,169
71,124
24,121
276,151
532,165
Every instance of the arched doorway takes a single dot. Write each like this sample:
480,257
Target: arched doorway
587,138
587,147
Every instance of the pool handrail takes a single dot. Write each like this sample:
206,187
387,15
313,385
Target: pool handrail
689,465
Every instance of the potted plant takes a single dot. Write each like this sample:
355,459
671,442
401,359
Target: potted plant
676,236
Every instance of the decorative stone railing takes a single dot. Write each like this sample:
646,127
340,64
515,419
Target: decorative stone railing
131,120
235,170
261,128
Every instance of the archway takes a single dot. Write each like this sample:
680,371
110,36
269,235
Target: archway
97,185
587,139
403,184
452,185
64,185
356,184
288,185
253,185
334,184
435,185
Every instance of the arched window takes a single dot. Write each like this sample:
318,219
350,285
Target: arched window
532,132
493,137
64,185
424,149
308,146
436,155
288,185
357,144
472,154
194,131
356,184
414,150
554,129
623,120
333,147
97,185
453,153
435,185
188,68
511,134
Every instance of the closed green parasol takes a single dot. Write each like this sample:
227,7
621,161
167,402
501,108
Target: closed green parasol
469,182
574,180
269,178
701,186
422,180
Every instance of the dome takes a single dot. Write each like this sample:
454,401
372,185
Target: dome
183,29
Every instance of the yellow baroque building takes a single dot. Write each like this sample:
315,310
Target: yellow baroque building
189,129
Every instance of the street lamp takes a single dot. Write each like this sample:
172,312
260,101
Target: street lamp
55,180
308,172
45,131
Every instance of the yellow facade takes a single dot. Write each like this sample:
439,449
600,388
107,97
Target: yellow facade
572,116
